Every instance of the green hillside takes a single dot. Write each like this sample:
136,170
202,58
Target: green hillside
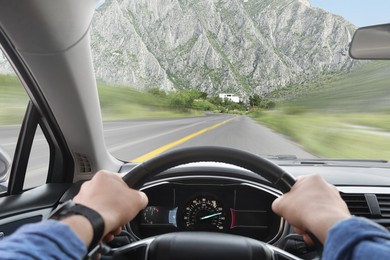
344,116
365,89
117,103
120,103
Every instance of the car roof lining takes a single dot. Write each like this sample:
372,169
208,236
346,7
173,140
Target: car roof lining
46,26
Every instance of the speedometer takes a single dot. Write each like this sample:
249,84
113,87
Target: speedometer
204,213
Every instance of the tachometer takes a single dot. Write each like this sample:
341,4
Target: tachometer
204,213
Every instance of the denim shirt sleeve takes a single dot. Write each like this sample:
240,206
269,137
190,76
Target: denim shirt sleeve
45,240
357,238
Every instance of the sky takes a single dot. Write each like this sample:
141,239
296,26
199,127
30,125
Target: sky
359,12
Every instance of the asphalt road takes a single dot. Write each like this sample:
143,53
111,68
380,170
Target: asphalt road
138,140
128,140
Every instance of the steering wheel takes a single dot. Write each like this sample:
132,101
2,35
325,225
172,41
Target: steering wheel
206,245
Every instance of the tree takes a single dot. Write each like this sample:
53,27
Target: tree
255,100
157,92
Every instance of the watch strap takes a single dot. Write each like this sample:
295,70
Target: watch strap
70,208
94,218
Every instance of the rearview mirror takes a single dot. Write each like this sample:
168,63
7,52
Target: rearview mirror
371,43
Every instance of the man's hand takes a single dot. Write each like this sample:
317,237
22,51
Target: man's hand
312,205
110,196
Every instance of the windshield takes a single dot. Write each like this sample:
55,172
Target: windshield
271,77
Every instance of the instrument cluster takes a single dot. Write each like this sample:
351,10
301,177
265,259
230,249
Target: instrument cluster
208,205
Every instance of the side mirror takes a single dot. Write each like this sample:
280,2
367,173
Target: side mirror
5,164
371,43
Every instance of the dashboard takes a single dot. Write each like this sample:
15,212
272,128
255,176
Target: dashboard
209,203
227,199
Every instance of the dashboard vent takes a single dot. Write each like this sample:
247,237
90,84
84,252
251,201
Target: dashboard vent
357,204
384,204
83,163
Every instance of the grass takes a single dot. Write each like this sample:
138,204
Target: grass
117,103
333,135
365,89
13,100
343,116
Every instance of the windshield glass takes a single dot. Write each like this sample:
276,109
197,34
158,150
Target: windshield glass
272,77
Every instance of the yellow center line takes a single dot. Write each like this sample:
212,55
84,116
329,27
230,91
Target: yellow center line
166,147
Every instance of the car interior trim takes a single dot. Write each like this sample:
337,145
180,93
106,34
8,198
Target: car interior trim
260,186
282,253
44,196
363,189
42,212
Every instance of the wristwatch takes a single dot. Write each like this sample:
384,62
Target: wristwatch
69,208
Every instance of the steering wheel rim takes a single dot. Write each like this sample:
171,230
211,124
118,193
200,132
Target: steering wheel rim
143,172
164,244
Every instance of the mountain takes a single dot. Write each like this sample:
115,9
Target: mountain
248,46
239,46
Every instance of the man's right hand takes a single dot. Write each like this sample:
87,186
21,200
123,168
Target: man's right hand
312,205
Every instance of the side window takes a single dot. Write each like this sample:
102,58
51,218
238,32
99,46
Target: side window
38,164
13,106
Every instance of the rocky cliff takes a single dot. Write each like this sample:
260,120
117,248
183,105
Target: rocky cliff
239,46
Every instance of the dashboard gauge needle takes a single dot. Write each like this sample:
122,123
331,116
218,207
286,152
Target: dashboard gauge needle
211,215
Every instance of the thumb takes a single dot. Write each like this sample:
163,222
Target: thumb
276,205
